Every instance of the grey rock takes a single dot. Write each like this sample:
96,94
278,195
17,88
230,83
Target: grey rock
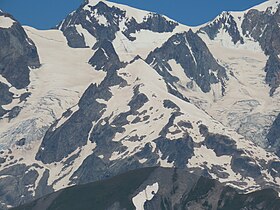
17,54
17,183
106,57
14,112
43,187
222,145
272,70
178,151
89,21
263,27
203,130
74,39
245,166
224,22
273,135
154,22
196,60
24,96
6,96
21,142
61,141
274,168
171,105
101,32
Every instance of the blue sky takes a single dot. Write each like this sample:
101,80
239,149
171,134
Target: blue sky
44,14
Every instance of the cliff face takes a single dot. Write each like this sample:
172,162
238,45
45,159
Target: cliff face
18,55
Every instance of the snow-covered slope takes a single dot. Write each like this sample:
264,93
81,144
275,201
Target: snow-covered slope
6,22
120,89
19,58
133,32
55,87
247,44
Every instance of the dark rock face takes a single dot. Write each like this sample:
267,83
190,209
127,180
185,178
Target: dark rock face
106,57
74,39
154,22
260,26
224,22
14,112
263,27
272,70
88,17
178,151
19,180
170,104
177,189
89,21
274,168
60,142
6,97
21,142
273,135
222,145
188,50
17,54
245,166
94,168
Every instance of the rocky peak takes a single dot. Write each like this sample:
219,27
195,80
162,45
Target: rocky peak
259,24
18,54
263,27
272,69
103,19
105,57
226,22
192,54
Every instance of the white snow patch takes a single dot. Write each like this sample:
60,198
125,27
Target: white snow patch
102,20
90,40
146,195
178,71
6,22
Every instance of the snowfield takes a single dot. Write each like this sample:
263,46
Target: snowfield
139,118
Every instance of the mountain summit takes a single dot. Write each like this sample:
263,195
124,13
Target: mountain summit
112,89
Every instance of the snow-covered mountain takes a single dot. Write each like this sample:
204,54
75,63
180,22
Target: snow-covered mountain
18,54
247,44
113,88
